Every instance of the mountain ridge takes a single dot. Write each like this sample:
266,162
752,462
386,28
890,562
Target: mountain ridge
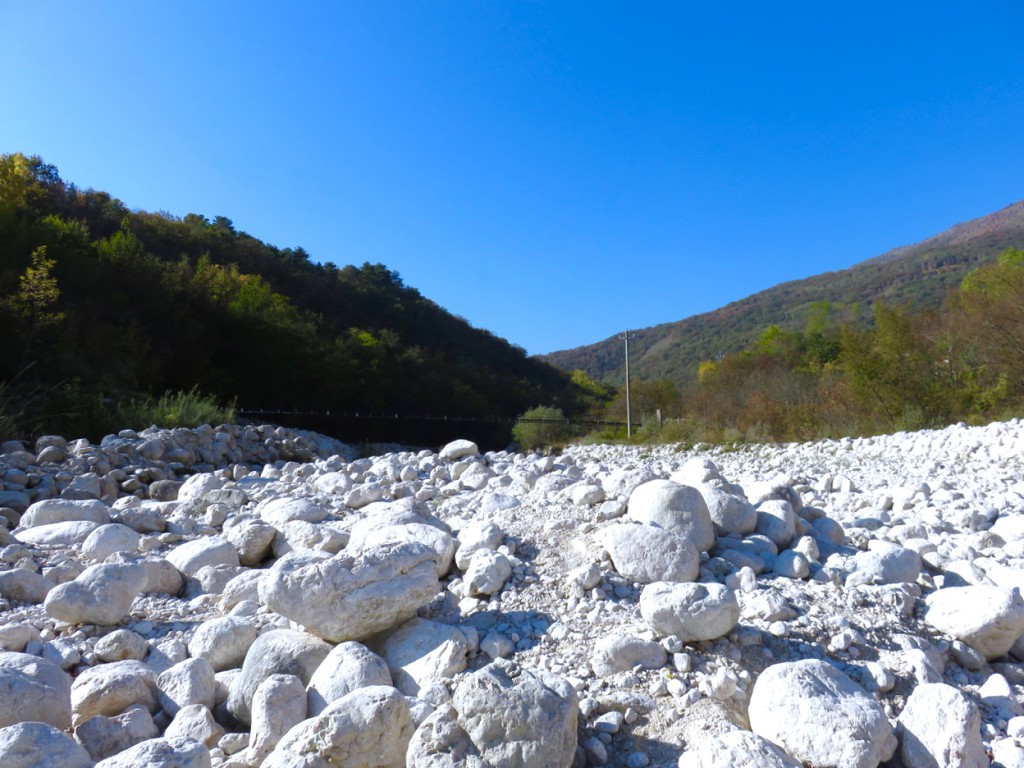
919,275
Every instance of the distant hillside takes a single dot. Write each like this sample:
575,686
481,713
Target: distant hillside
99,303
918,275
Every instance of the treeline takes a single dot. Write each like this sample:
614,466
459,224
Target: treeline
100,303
907,369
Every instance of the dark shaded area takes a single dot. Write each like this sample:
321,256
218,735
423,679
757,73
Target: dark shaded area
147,302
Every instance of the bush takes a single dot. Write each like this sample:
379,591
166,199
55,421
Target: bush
174,409
542,427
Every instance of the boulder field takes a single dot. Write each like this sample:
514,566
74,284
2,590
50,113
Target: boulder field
256,596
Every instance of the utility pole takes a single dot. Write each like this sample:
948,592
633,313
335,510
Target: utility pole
629,415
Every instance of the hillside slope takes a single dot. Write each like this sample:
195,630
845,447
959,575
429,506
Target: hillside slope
144,302
919,275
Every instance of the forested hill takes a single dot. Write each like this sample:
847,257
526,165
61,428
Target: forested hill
916,276
146,302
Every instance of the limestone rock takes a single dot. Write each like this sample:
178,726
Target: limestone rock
677,508
692,612
620,652
101,594
731,514
350,597
989,619
109,689
486,573
104,737
941,728
197,553
502,714
736,749
820,716
281,651
39,745
645,554
51,511
161,753
33,689
368,728
278,705
420,653
458,449
349,665
187,682
223,642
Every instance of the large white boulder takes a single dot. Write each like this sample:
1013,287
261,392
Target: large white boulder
989,619
40,745
941,728
677,508
101,594
692,612
188,682
736,749
33,689
350,597
620,652
281,651
645,554
110,689
278,705
883,563
161,753
192,555
476,534
459,449
108,539
368,728
285,509
50,511
502,714
731,514
421,653
820,716
223,641
349,665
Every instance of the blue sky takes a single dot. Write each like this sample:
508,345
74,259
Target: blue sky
554,172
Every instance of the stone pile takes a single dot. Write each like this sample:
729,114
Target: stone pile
253,596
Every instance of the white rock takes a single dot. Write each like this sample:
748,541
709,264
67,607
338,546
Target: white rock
278,651
161,753
198,485
458,449
776,520
349,665
883,563
223,641
486,573
104,737
502,714
731,514
187,682
278,705
620,652
368,728
197,553
64,511
196,722
941,727
736,749
421,653
820,716
350,597
24,586
645,554
440,541
121,645
33,689
283,510
68,534
692,612
587,495
39,745
108,539
677,508
101,594
252,539
109,689
475,535
989,619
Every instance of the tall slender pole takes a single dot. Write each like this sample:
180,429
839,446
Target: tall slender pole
629,413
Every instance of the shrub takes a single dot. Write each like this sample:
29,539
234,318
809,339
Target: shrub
174,409
542,427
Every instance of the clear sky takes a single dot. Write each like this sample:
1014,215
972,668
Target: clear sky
554,172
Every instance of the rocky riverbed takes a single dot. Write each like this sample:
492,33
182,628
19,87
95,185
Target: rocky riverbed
255,596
